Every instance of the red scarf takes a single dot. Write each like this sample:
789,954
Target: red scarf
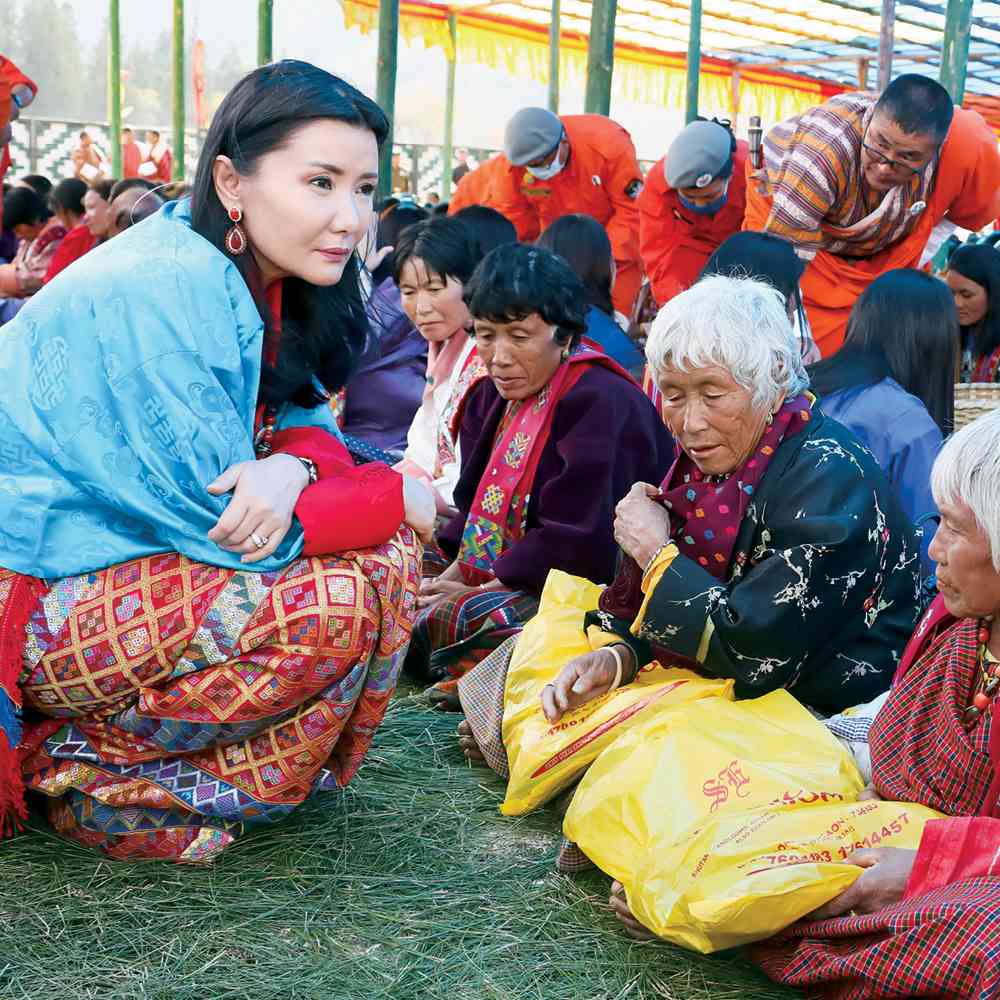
19,596
921,749
499,510
705,516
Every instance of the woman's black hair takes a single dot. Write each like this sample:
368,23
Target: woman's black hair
903,326
445,246
762,256
67,196
38,183
393,221
22,206
583,243
514,282
488,228
980,262
323,329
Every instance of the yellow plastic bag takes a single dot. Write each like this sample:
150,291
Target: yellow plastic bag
545,758
728,821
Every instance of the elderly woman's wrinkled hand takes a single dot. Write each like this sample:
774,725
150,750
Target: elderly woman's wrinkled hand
582,679
882,883
641,524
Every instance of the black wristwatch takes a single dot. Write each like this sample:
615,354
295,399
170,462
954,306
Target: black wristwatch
310,468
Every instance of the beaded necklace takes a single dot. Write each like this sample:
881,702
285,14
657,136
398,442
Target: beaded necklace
988,676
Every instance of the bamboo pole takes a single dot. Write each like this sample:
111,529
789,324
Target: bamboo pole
385,86
265,31
886,41
179,107
447,152
955,49
600,57
693,62
115,86
555,28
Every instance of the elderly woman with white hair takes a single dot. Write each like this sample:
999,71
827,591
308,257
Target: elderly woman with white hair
774,553
926,922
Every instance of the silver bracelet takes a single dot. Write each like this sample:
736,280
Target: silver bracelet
655,556
616,683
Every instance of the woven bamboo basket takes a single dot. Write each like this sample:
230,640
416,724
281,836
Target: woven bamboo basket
975,399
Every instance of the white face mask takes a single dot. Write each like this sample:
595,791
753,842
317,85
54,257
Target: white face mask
547,173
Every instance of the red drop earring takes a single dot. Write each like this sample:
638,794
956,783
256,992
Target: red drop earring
236,240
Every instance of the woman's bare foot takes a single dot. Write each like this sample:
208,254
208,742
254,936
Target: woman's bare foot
619,907
468,742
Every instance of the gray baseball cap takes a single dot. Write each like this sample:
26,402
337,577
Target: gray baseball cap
698,155
531,134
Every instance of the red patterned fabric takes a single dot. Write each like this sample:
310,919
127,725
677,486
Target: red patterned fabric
943,938
921,750
945,943
192,700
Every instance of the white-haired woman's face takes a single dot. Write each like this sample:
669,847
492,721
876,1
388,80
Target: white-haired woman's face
966,578
307,204
713,417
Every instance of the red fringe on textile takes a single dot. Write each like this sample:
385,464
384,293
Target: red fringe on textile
25,593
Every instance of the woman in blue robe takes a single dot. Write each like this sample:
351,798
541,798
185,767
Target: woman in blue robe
203,602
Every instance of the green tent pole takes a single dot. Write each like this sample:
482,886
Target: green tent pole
447,152
115,87
554,34
179,109
600,57
693,62
385,87
265,31
955,50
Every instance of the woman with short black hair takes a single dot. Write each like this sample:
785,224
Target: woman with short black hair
66,202
432,263
40,233
541,473
583,243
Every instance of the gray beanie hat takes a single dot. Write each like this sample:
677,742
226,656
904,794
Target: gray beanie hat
698,155
531,134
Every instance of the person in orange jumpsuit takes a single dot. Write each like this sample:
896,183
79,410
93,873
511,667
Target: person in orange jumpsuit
476,187
574,164
858,184
693,201
16,92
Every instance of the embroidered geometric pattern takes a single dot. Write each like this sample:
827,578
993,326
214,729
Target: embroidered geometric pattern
199,699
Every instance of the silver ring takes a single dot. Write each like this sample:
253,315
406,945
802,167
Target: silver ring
257,540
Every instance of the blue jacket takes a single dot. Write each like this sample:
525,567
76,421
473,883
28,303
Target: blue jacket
130,383
897,429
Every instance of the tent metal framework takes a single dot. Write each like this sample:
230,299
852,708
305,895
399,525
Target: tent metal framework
810,48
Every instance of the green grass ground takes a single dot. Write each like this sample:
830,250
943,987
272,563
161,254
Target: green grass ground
407,885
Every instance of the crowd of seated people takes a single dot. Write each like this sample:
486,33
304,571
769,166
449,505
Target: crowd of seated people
399,442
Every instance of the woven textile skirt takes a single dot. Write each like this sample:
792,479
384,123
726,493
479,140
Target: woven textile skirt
944,943
450,638
170,704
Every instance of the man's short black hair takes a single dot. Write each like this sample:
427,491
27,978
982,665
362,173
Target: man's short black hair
918,105
518,280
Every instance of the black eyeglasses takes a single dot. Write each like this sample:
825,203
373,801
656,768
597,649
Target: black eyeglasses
879,157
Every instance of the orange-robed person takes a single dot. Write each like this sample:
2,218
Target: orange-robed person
858,184
476,187
575,164
16,92
693,200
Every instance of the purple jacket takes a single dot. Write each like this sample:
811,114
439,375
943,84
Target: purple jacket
606,436
385,392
